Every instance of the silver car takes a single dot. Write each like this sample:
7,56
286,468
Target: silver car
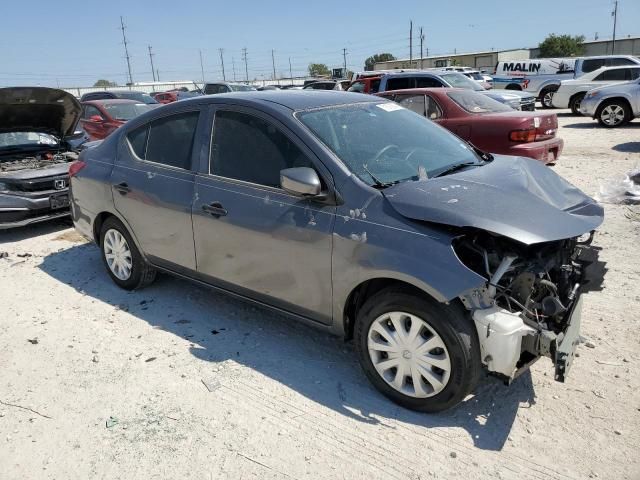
355,215
613,105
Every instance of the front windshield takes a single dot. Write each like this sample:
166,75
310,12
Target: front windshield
126,111
474,102
241,88
26,139
460,81
386,141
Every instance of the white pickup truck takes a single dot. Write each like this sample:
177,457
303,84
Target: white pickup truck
542,77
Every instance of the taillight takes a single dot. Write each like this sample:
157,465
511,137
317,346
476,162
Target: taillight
528,135
75,167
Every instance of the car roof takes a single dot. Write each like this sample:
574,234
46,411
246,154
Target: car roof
110,101
291,99
417,91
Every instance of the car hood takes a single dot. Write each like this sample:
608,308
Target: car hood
515,197
38,109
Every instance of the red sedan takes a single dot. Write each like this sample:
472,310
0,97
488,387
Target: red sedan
101,117
489,125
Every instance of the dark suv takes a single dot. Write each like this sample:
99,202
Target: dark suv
353,214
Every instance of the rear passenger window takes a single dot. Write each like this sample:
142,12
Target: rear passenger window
415,103
616,75
138,140
250,149
618,62
168,140
399,83
426,82
590,65
171,140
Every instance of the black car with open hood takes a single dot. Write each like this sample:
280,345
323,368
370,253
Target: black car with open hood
36,126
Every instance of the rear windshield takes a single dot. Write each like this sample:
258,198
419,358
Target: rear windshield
126,111
460,81
241,88
474,102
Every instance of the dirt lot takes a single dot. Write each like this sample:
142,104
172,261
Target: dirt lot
206,387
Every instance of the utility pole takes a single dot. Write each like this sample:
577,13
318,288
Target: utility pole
153,70
614,14
233,65
224,77
246,67
344,57
290,71
126,50
273,63
421,43
201,65
410,43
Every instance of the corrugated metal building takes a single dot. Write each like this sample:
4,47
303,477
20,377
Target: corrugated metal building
488,59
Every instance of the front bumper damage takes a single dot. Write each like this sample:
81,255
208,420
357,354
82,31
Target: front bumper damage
508,346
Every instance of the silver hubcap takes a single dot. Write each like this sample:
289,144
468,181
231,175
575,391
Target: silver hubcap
612,114
547,99
409,354
117,254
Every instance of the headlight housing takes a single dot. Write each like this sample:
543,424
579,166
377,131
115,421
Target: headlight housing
515,104
592,94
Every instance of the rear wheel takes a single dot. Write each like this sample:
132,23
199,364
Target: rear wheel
574,103
546,97
419,353
126,266
613,113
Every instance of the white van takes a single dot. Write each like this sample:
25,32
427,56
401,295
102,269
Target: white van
542,76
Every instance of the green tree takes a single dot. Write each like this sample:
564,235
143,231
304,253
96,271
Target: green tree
105,83
318,69
370,62
561,46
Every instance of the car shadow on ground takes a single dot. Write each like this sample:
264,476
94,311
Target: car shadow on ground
322,368
628,147
595,124
36,230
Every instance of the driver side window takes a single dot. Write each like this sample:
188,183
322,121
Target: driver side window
415,103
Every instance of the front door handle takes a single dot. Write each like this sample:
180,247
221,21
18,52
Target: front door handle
123,188
215,209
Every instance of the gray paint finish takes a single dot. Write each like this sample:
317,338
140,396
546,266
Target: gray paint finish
305,256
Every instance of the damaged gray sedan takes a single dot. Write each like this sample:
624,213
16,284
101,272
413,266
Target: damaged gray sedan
354,215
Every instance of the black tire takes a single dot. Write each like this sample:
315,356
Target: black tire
546,96
142,274
454,326
627,115
574,103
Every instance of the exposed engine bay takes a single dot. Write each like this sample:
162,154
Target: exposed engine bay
530,303
12,163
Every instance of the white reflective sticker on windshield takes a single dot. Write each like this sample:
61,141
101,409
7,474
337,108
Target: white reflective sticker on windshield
389,107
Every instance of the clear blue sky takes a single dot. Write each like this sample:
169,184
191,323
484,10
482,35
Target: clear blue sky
43,42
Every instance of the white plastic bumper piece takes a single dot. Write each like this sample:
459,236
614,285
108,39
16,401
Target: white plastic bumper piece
500,333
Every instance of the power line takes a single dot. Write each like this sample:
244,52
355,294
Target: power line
201,65
246,67
126,50
222,62
153,71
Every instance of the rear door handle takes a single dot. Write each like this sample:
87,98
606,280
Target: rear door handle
215,209
123,188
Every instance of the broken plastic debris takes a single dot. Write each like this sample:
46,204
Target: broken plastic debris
211,385
111,422
623,189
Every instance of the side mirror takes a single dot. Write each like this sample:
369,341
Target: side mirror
302,181
95,118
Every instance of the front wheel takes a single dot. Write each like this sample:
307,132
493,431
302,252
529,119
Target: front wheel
613,113
126,266
546,97
421,354
575,102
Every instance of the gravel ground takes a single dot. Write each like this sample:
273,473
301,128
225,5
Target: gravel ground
203,386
